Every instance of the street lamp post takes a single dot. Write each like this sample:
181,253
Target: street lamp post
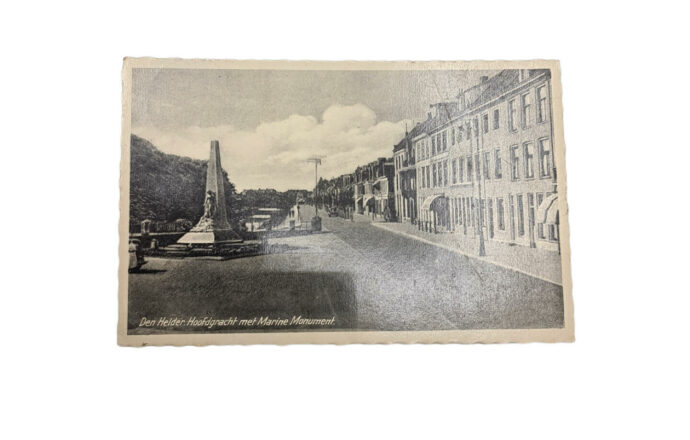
478,172
317,162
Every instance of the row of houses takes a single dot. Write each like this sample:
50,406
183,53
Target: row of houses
367,192
481,165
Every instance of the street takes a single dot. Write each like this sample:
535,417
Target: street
366,277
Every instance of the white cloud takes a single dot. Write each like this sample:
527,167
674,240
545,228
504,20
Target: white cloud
274,154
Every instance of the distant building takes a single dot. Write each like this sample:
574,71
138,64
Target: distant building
373,194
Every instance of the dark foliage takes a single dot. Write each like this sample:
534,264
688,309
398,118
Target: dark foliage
165,187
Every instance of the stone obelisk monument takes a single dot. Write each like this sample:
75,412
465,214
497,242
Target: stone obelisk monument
213,227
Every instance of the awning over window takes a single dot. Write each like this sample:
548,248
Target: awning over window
548,210
429,200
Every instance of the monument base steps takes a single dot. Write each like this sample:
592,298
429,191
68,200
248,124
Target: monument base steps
216,251
210,237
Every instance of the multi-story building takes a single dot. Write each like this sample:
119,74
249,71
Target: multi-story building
405,180
431,143
485,164
373,189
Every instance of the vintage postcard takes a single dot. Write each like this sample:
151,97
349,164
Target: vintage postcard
280,202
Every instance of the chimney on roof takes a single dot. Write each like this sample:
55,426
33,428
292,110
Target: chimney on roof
461,98
483,79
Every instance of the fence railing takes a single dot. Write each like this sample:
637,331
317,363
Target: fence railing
152,227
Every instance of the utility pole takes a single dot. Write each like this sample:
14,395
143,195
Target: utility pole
478,171
317,162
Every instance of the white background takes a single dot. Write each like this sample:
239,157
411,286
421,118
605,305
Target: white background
625,82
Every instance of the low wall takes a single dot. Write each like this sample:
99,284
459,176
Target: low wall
163,238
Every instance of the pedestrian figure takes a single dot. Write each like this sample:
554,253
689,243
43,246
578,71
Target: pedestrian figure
386,214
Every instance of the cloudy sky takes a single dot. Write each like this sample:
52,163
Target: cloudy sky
269,122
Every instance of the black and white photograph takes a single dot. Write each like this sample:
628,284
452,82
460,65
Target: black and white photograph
344,220
283,202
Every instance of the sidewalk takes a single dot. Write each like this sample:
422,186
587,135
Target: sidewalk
539,263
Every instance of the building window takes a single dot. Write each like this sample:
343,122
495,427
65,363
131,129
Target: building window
526,109
433,170
485,123
511,206
445,173
512,114
528,149
477,166
487,160
475,123
428,177
426,150
553,232
541,104
514,163
461,170
544,157
445,141
496,119
433,145
498,172
469,168
520,216
459,134
455,170
474,212
452,136
500,213
458,219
